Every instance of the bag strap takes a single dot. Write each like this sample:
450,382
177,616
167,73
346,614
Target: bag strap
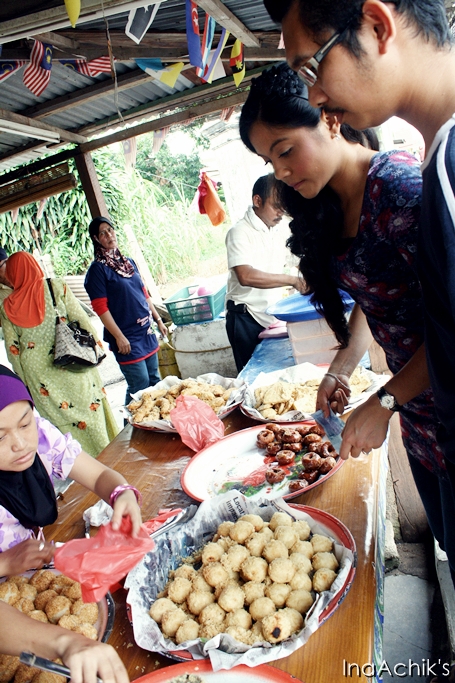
51,290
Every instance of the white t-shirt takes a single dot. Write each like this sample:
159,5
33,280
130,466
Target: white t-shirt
251,243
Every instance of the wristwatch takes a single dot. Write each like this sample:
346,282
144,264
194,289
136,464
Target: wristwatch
387,400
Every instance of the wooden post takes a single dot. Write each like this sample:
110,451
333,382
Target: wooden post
91,185
147,277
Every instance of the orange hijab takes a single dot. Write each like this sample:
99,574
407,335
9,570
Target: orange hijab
25,307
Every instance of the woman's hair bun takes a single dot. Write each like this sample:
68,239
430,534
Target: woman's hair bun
280,81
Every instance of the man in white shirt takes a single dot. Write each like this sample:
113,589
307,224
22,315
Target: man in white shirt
256,251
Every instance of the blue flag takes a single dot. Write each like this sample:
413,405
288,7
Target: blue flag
192,34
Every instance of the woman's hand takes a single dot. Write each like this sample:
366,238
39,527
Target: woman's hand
162,328
123,344
88,659
24,556
334,391
366,428
126,504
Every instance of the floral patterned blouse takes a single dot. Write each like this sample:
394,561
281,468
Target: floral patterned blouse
57,452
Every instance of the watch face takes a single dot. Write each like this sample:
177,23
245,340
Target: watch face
388,401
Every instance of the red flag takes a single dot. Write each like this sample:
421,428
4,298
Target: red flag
38,73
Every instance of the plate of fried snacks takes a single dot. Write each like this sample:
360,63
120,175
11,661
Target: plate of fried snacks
243,582
290,395
150,408
48,596
271,462
201,671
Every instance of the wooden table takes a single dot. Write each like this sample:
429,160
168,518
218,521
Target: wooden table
153,463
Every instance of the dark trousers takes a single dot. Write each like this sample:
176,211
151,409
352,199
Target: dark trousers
243,332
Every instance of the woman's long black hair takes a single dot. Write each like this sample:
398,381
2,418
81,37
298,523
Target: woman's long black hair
279,98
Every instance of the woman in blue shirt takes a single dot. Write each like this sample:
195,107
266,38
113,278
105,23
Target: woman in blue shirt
120,299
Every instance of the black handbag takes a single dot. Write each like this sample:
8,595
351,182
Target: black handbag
75,348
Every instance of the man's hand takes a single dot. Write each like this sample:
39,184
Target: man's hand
24,556
366,428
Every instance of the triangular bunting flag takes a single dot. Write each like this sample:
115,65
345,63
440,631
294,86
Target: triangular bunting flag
192,34
237,62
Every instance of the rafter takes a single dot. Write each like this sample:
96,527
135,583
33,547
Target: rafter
225,18
65,135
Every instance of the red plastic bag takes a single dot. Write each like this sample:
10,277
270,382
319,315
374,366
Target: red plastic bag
154,524
196,422
99,562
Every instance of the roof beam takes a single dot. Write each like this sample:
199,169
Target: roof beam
225,18
65,135
58,41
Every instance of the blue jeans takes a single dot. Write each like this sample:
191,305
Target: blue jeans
141,375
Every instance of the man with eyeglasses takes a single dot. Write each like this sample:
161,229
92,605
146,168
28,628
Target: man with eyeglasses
367,61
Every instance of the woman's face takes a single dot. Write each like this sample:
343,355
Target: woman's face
106,236
303,158
18,437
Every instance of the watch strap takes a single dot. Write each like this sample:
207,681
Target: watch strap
390,401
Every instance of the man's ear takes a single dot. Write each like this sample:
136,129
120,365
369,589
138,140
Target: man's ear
257,201
381,20
332,123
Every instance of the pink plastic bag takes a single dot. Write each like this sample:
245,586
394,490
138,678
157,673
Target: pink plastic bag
196,422
99,562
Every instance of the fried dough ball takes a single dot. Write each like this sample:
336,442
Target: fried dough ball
241,531
215,574
8,667
256,543
255,520
302,528
27,591
179,589
159,607
303,547
38,615
300,600
200,584
42,579
9,592
235,556
254,569
210,630
224,542
70,621
282,570
25,674
60,583
301,561
43,598
231,598
239,617
256,633
73,592
197,600
278,593
325,560
170,621
295,618
301,581
280,519
212,613
18,579
58,607
212,552
277,627
185,571
253,591
267,531
24,605
261,608
286,535
321,544
274,549
224,528
323,579
87,630
87,612
240,634
189,630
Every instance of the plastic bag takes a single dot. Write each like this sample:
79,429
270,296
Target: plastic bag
209,202
99,562
196,422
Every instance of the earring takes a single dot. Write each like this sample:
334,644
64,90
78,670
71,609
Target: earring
337,136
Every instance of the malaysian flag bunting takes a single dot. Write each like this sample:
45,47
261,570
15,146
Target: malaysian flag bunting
130,151
207,40
155,68
237,62
192,34
139,21
7,68
95,67
214,68
38,73
158,139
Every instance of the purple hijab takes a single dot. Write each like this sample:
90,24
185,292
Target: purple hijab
29,495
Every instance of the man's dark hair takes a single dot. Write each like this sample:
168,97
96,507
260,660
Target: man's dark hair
427,17
264,186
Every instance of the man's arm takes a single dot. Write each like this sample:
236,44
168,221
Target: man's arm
251,277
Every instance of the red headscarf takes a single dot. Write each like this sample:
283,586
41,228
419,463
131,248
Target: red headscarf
25,307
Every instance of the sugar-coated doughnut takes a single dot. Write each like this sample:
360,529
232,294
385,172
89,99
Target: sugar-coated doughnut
301,561
274,549
323,579
282,570
254,569
287,535
321,544
253,591
261,608
241,531
300,600
278,593
324,560
280,519
301,581
189,630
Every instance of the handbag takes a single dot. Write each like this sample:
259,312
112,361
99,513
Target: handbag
75,348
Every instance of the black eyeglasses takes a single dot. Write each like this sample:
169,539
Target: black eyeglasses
308,72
